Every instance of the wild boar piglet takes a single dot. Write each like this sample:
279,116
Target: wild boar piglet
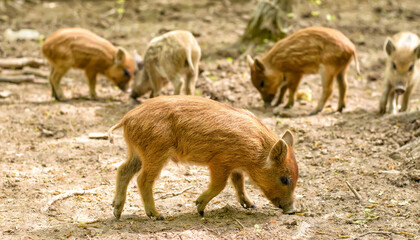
80,48
229,141
307,51
402,71
172,57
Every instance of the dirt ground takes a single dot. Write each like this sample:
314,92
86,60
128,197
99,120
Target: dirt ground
45,151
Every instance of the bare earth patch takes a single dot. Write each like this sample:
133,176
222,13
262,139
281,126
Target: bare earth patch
57,182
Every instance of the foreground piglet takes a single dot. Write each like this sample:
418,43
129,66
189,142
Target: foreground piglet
402,72
307,51
172,57
196,130
82,49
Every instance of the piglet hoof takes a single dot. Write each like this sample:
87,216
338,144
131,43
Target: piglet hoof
288,106
200,207
314,112
158,217
246,206
340,109
117,213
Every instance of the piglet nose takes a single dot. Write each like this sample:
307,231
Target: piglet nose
290,209
399,90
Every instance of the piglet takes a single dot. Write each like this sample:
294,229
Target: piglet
190,129
80,48
172,57
306,51
402,72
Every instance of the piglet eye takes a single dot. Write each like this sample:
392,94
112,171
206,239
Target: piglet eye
286,180
126,73
261,84
411,68
394,66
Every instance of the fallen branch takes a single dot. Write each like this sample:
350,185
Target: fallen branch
15,63
356,194
174,194
67,195
17,79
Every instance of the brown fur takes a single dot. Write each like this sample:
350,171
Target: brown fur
172,57
82,49
402,72
307,51
191,129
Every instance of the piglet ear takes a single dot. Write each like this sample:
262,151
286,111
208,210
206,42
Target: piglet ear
389,46
119,56
250,61
288,138
278,152
417,52
259,66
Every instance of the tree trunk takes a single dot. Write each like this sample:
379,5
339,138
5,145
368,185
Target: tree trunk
268,21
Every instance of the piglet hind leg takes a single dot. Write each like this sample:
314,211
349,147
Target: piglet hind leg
238,181
327,74
342,87
145,181
124,174
55,78
177,81
190,82
219,175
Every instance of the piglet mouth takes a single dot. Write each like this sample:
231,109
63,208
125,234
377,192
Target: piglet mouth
287,208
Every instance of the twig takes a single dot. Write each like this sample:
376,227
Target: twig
94,221
373,232
174,194
240,224
323,233
67,195
356,194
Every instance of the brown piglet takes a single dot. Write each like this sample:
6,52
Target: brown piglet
80,48
172,57
307,51
402,72
190,129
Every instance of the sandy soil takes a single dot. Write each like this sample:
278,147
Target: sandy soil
45,151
